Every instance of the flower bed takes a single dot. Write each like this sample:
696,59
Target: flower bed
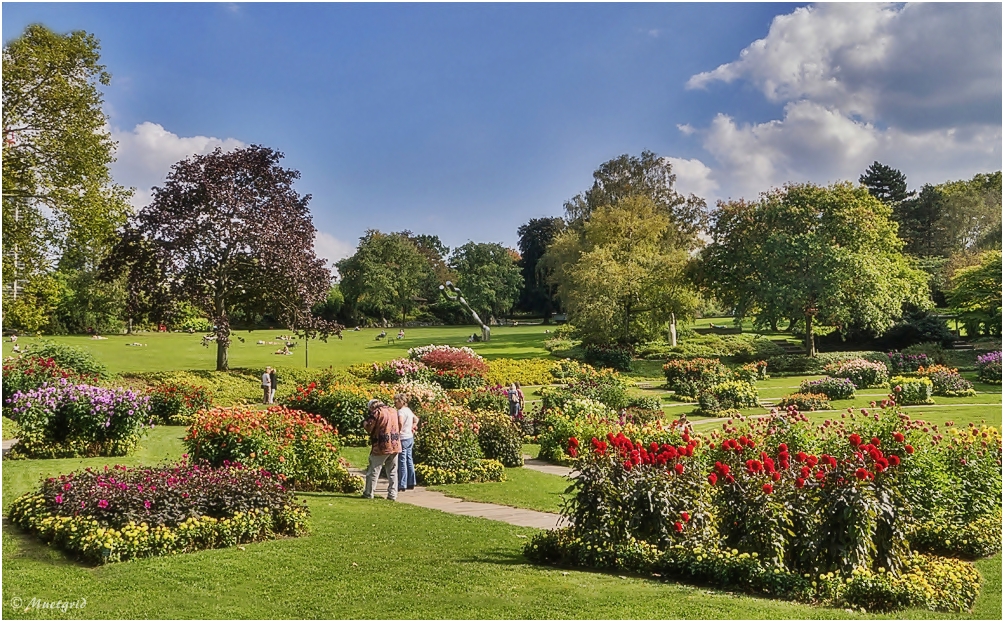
300,448
399,370
524,371
24,373
728,396
862,373
176,403
904,363
751,372
123,513
989,366
68,420
832,388
342,405
783,507
689,377
447,450
448,358
805,401
500,438
946,381
909,391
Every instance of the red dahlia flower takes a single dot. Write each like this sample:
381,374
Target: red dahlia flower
685,516
854,439
712,479
678,526
909,449
767,488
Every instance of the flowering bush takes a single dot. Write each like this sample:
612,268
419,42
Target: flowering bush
342,405
900,363
299,447
908,391
500,438
689,377
123,513
421,395
69,357
862,373
506,371
832,388
68,419
484,399
989,366
786,508
24,373
730,395
448,451
457,379
176,403
399,370
805,401
450,359
751,372
946,381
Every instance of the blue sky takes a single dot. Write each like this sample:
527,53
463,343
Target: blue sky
466,120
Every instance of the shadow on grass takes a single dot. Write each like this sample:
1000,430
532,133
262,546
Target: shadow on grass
500,557
31,547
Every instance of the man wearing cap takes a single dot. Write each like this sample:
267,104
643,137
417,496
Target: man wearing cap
385,445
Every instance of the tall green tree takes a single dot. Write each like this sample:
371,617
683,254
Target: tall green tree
538,295
489,277
647,175
828,255
386,275
976,295
885,184
621,274
923,224
59,202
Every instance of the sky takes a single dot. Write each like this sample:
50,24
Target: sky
467,120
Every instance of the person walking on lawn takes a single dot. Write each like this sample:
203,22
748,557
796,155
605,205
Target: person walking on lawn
385,445
405,460
273,378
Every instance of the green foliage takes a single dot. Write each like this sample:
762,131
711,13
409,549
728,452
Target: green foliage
621,272
885,183
617,358
806,251
832,388
177,403
976,295
907,391
447,450
344,406
500,439
690,377
488,276
864,374
729,395
69,357
537,295
385,275
979,538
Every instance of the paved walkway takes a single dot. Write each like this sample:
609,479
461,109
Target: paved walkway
7,445
434,500
545,467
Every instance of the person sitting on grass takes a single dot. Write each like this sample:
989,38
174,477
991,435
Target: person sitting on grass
385,445
400,334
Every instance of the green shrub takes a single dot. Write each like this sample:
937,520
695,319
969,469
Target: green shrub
805,401
645,402
832,388
69,357
500,439
730,395
689,377
10,429
907,391
618,358
795,364
447,448
751,372
481,471
177,403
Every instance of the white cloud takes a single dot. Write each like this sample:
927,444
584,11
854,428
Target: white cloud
327,246
145,155
693,177
917,87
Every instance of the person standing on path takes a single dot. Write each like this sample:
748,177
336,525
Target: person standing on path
385,445
516,400
273,378
406,460
266,385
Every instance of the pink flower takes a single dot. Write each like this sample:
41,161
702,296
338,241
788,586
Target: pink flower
59,498
103,503
146,504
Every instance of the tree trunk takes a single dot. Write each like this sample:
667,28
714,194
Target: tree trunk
773,324
221,356
810,344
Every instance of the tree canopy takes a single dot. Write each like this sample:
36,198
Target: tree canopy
538,295
885,184
386,275
233,238
620,274
976,295
826,254
60,205
489,277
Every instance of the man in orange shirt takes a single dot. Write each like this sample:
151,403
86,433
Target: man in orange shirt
385,445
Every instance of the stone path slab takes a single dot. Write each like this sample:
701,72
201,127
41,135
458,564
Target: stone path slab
546,467
433,500
7,445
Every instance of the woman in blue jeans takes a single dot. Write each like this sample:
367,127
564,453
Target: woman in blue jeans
405,460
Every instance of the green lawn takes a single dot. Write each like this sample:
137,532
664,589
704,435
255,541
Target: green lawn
523,488
173,351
